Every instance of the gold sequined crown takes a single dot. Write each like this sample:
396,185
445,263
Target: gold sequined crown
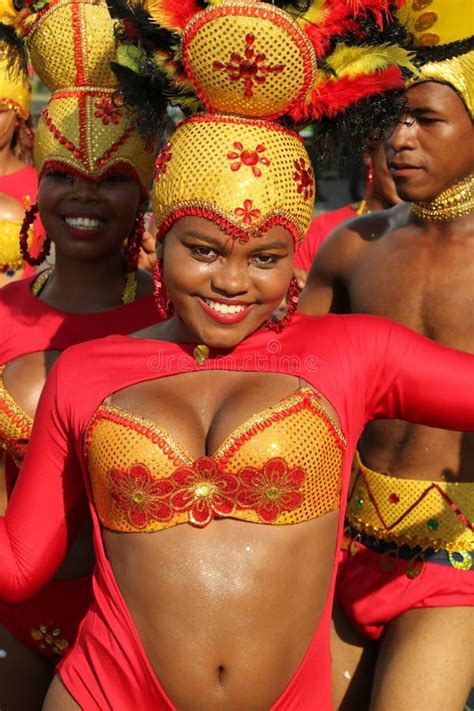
243,65
443,38
84,127
15,90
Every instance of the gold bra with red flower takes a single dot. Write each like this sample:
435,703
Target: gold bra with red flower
281,466
15,425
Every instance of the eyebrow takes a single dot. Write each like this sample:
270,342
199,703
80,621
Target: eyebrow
421,110
212,240
203,236
271,245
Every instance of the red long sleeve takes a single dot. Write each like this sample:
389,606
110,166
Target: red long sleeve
421,381
46,507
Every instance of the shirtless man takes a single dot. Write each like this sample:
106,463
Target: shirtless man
414,264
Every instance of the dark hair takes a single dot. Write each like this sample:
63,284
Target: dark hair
23,140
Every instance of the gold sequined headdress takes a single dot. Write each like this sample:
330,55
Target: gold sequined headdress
15,90
83,128
442,34
251,72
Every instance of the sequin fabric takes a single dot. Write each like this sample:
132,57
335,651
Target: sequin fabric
244,174
428,514
15,90
282,466
435,23
15,425
248,59
10,255
84,126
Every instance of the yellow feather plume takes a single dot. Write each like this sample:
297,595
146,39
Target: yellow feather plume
353,61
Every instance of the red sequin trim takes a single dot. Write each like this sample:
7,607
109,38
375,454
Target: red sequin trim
58,135
261,123
148,431
120,166
78,49
306,403
226,225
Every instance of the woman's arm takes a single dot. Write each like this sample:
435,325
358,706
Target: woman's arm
422,381
47,504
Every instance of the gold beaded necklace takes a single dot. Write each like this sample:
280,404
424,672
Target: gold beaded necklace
129,292
456,201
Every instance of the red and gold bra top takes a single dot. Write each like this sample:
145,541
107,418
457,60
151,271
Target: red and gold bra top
15,425
282,466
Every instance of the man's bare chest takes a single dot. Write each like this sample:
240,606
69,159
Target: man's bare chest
429,288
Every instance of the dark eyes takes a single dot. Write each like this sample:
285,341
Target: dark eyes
207,254
60,175
116,178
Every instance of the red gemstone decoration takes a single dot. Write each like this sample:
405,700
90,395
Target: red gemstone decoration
164,157
250,67
394,498
250,158
304,177
248,213
109,110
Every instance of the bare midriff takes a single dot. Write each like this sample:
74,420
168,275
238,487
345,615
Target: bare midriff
412,451
226,613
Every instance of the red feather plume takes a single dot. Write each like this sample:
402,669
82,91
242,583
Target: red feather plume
336,95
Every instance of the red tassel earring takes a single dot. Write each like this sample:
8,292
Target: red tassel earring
28,220
134,242
161,301
293,298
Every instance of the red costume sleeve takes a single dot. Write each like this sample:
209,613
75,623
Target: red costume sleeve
46,507
421,381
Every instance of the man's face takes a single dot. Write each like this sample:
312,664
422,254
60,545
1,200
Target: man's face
432,146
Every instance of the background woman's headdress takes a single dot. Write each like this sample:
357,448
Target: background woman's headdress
84,127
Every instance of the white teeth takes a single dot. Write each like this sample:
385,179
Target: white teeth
225,308
83,223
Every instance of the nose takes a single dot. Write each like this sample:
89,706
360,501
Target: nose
231,278
83,189
403,136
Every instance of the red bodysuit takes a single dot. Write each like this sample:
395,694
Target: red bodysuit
48,622
366,367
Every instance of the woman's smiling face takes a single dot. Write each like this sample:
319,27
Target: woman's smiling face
86,219
223,289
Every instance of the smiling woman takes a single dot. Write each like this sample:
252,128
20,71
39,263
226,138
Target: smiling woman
213,447
94,178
